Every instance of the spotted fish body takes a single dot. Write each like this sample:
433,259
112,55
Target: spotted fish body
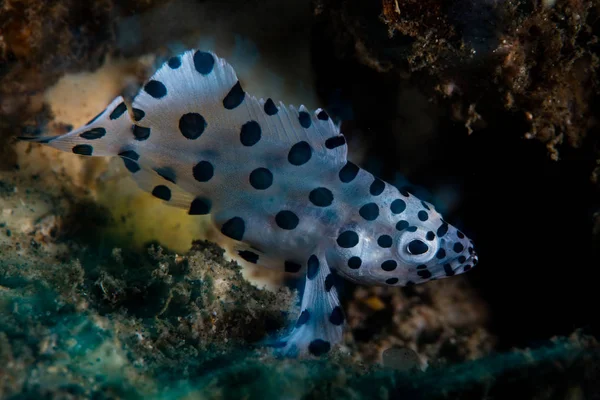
276,180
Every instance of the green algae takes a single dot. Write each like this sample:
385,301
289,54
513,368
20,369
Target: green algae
75,327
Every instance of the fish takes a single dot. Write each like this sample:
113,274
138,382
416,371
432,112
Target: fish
276,181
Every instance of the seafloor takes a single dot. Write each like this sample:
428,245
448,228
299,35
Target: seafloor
492,106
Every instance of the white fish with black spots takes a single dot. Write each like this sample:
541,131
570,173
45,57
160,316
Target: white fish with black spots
274,178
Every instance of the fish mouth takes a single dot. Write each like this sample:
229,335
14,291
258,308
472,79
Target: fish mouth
458,266
470,262
474,258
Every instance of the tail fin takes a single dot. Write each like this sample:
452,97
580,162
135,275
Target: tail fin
112,133
106,135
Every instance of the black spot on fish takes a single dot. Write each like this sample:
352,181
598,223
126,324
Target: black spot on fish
348,172
270,108
287,220
425,206
93,134
402,225
460,235
261,178
354,262
462,259
422,215
347,239
458,247
303,318
140,133
192,125
304,119
162,192
430,235
322,115
200,206
425,274
130,154
369,211
118,111
155,89
391,281
138,114
389,265
377,187
174,62
250,133
235,97
129,159
335,141
321,197
312,267
203,171
83,149
398,206
441,254
300,153
203,62
404,192
337,316
448,270
234,228
384,241
167,173
442,230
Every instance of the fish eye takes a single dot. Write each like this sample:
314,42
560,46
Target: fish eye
417,247
414,247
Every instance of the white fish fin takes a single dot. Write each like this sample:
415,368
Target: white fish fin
195,102
322,134
105,135
160,185
321,321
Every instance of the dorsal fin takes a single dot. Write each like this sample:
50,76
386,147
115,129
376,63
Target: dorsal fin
198,82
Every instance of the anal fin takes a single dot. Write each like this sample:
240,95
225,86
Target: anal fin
320,324
160,185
